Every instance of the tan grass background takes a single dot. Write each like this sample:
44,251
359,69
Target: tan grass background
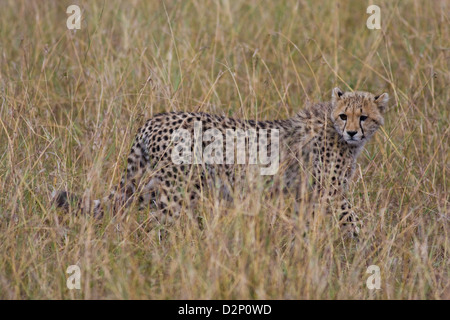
72,101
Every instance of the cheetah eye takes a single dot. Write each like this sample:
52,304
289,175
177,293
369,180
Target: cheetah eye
343,116
363,118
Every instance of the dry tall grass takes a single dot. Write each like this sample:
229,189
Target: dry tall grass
71,103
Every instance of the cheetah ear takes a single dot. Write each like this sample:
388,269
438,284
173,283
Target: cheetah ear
336,94
382,101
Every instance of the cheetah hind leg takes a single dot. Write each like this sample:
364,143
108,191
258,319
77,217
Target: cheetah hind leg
154,197
351,224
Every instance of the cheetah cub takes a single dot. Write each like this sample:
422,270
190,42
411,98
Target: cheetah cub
320,144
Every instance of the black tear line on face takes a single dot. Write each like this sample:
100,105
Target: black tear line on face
362,130
343,130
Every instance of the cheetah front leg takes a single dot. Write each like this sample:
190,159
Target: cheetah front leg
339,205
348,220
331,185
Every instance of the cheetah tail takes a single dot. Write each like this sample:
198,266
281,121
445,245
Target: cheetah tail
64,199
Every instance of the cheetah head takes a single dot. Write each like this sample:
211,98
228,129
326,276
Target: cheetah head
357,115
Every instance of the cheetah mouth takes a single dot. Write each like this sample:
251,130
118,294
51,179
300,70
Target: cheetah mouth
352,140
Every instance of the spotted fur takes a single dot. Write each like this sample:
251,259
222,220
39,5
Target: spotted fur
323,140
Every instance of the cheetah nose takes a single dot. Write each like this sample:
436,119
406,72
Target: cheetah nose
352,133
